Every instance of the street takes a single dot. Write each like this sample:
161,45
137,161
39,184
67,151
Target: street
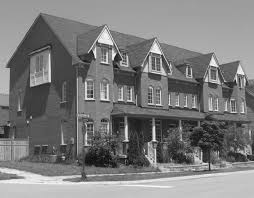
238,184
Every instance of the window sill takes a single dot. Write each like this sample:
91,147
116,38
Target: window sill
233,112
120,100
130,101
103,100
63,102
89,99
151,104
103,63
20,110
123,65
155,72
159,105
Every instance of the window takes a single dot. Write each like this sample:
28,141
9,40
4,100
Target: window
19,105
64,92
242,106
194,101
188,72
156,62
158,96
150,95
120,93
40,67
185,99
226,104
104,55
89,89
216,104
213,73
104,126
104,90
233,105
89,132
124,62
129,93
169,99
210,103
240,79
177,100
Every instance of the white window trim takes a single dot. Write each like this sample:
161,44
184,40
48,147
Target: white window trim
185,98
127,60
131,94
86,134
149,103
177,99
86,90
120,87
186,71
150,63
107,121
103,99
64,92
210,103
107,55
231,106
210,74
194,101
169,99
160,104
242,105
226,105
216,106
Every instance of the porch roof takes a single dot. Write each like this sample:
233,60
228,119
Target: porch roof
135,111
229,117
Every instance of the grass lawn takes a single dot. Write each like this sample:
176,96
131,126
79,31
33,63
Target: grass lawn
48,169
155,175
5,176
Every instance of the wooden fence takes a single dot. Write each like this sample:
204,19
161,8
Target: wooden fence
13,149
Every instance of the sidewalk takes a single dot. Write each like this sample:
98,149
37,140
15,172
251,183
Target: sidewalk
31,178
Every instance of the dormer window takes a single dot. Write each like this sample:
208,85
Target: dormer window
213,73
104,55
240,81
155,62
188,72
125,61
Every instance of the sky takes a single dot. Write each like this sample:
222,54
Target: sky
224,27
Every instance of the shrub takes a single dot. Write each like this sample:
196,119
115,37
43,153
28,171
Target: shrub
250,157
183,158
236,157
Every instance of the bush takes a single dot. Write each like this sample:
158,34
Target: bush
236,157
182,158
250,157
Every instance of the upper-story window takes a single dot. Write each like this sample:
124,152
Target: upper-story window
216,104
233,105
226,104
240,80
158,96
104,55
194,101
169,99
188,72
40,67
104,92
185,100
242,105
210,102
155,62
120,93
213,73
125,60
177,95
64,92
89,89
150,95
129,94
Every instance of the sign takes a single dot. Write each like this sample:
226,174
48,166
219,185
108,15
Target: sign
84,115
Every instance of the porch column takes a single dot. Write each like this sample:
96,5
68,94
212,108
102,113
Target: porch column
153,130
126,129
180,127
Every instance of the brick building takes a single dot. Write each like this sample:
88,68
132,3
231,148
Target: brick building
4,116
63,70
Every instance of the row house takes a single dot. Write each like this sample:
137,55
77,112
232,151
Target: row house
64,70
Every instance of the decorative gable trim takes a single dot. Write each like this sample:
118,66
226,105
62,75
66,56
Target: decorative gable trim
103,36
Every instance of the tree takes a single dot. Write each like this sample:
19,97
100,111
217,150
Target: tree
209,137
236,138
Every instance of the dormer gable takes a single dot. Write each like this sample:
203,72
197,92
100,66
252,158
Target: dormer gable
86,43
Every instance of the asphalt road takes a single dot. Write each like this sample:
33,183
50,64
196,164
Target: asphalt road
233,185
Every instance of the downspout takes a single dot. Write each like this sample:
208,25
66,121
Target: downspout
77,90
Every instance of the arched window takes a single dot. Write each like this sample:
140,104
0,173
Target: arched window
150,95
104,125
158,96
64,92
89,89
89,132
210,103
104,92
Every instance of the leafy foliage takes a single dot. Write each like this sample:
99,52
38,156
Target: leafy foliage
236,157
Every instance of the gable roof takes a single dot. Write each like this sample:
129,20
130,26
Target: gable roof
4,100
229,70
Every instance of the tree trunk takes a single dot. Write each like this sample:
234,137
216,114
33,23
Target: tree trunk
209,159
